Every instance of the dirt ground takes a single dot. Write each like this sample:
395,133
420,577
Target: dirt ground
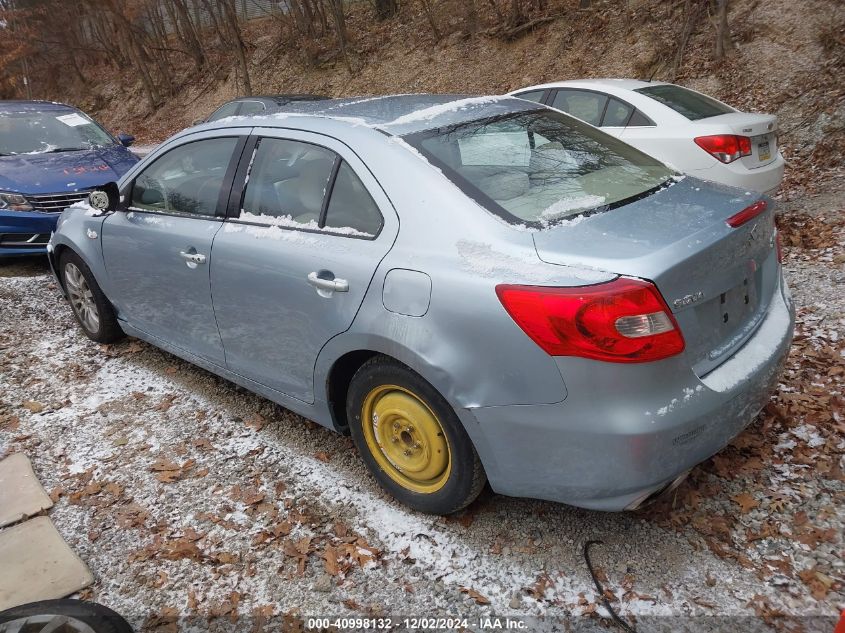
189,496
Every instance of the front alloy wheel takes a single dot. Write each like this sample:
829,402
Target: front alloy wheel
81,298
90,306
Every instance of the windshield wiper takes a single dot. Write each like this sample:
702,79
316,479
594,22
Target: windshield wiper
63,149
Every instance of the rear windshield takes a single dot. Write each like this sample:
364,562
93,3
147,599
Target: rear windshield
689,103
540,167
54,131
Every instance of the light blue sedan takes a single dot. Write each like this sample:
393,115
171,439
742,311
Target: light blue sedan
476,288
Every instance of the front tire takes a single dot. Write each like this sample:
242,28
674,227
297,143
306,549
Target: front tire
411,440
90,307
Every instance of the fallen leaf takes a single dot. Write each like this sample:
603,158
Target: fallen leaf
32,406
746,502
472,593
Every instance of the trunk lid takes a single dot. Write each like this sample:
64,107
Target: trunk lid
760,128
717,280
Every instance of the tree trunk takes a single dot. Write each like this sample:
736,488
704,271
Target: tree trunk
336,7
231,18
723,31
189,33
430,16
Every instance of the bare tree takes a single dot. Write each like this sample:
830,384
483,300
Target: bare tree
723,31
237,42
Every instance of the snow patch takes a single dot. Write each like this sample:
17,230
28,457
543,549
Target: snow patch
427,114
756,352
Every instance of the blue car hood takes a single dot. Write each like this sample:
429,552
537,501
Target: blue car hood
64,171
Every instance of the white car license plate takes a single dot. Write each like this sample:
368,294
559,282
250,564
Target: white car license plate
763,151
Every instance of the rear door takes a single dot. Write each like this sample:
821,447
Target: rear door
158,252
296,256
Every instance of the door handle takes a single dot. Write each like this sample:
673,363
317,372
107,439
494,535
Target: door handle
328,285
193,258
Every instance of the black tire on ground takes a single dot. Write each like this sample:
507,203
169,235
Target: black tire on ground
466,478
106,328
42,616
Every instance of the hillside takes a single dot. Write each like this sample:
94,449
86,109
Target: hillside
789,58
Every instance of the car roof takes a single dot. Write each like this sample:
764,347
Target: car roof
33,106
394,114
281,99
606,82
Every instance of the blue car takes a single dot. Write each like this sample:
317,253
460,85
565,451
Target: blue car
51,155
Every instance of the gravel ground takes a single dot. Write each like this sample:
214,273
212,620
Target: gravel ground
189,496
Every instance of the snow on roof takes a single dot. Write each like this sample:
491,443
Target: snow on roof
397,114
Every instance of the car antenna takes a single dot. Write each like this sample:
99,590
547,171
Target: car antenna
654,72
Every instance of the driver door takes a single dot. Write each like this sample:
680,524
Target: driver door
158,251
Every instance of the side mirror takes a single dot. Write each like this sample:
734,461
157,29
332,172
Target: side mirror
125,139
105,198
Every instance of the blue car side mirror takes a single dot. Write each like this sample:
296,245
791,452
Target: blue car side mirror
125,139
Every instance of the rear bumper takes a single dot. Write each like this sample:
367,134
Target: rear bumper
627,431
17,229
764,179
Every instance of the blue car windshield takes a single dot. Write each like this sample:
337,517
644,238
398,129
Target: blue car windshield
540,167
54,131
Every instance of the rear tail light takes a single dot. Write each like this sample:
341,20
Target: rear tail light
622,321
748,213
725,147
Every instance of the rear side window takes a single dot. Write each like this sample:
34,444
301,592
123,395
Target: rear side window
351,209
617,114
301,185
539,167
288,180
251,107
186,180
587,106
640,120
227,109
686,102
532,95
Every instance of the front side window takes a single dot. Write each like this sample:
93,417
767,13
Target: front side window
587,106
186,180
48,132
289,183
686,102
537,168
227,109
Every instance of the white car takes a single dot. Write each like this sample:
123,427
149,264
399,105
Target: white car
687,130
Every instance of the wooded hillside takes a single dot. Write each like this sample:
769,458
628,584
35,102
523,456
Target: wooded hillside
153,66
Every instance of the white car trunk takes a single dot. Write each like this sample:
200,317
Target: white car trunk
760,128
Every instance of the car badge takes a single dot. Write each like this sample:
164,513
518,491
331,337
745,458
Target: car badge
688,299
92,234
99,200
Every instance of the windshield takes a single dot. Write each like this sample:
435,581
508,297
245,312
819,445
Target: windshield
540,167
57,131
689,103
